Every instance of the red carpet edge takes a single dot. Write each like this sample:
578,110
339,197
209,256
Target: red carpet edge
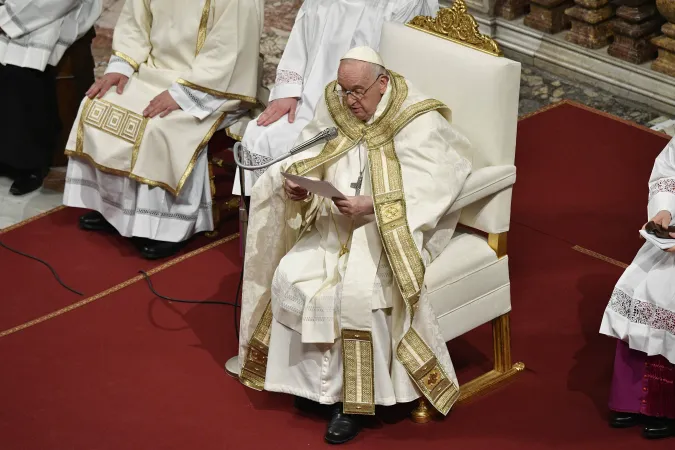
31,219
114,288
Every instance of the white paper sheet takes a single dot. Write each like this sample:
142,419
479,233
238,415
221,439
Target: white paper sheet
316,187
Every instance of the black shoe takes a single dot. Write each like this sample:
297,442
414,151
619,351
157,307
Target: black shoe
26,183
94,221
342,427
161,249
659,428
625,420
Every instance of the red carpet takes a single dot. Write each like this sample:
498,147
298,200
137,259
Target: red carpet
129,371
582,177
87,262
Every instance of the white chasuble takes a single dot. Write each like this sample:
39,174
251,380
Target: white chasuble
641,310
210,46
323,30
321,322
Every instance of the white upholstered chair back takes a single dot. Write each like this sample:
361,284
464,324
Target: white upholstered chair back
481,90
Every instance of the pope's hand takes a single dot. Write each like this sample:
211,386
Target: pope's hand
295,192
277,109
103,84
163,105
358,206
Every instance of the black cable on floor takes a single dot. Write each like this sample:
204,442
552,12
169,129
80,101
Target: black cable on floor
13,250
202,302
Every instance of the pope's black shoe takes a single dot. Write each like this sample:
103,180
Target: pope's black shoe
26,182
625,420
342,427
659,428
161,249
94,221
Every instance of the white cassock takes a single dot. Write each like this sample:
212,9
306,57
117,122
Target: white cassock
335,326
323,31
641,310
149,177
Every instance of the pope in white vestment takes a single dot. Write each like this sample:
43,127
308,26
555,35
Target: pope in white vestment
179,71
333,309
323,30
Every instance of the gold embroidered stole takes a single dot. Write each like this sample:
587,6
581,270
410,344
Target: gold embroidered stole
404,257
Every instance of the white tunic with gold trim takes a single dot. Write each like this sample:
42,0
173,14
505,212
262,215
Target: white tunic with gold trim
210,46
355,326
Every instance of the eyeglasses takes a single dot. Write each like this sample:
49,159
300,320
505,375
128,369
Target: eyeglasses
358,94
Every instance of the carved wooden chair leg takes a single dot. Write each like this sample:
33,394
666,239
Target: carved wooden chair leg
423,413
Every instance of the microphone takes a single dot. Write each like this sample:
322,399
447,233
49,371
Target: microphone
324,136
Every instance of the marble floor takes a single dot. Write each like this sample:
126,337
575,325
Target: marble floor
15,209
538,89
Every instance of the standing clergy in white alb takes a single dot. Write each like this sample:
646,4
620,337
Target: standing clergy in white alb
333,307
641,316
34,35
323,30
179,71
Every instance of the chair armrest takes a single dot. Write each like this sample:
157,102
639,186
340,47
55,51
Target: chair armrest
483,183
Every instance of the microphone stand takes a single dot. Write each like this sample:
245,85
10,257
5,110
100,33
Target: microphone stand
232,364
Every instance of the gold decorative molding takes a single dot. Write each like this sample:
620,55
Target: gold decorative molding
457,25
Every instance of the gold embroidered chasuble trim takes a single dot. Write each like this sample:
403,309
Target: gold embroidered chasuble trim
406,262
215,93
126,58
201,40
94,114
203,23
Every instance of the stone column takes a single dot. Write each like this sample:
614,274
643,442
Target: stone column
591,24
512,9
665,63
636,24
548,15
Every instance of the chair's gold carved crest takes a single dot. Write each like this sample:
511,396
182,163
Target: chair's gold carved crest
457,25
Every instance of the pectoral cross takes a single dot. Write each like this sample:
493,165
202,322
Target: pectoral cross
357,185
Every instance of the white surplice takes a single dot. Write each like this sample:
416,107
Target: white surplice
38,32
312,287
323,31
641,310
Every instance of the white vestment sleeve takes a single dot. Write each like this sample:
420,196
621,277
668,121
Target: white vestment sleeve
21,17
119,65
131,39
197,103
408,9
291,68
662,182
